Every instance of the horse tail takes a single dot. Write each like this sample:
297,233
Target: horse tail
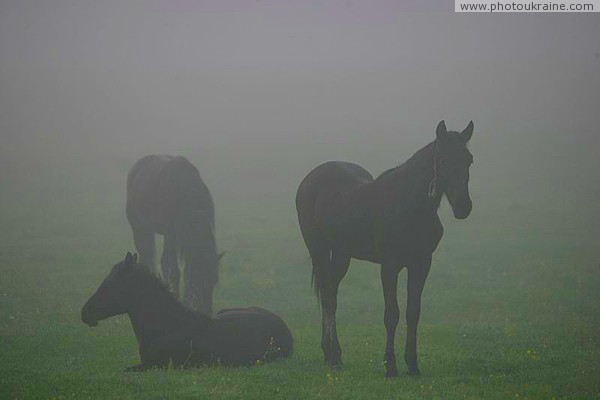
315,280
321,271
319,257
319,250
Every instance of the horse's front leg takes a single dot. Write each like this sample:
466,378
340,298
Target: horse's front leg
177,349
142,237
168,263
389,281
144,243
417,275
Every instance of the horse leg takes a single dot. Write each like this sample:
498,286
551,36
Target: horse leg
198,285
204,298
321,260
144,243
417,275
329,341
177,348
138,368
168,263
389,281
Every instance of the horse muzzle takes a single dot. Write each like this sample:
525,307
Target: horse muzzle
87,318
463,211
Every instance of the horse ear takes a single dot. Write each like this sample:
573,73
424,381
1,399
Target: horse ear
220,255
129,259
441,130
467,133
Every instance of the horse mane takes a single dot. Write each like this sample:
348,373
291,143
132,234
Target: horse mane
147,275
413,160
148,278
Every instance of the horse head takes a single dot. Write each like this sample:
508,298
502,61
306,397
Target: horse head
112,296
452,161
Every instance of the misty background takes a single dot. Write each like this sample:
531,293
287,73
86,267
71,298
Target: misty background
258,93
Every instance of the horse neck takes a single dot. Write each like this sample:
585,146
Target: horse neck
412,181
155,312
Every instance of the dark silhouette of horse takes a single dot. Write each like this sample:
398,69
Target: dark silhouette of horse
168,333
344,213
166,195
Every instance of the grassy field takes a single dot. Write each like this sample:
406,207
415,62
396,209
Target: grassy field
511,308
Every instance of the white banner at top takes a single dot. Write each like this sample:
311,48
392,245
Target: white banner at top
529,6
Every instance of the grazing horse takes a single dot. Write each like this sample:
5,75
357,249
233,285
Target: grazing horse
169,333
344,213
166,195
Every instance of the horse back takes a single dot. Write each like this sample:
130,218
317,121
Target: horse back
336,175
164,192
327,186
335,208
241,335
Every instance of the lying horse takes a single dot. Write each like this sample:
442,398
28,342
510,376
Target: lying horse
169,333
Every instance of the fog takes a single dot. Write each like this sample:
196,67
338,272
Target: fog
256,94
96,80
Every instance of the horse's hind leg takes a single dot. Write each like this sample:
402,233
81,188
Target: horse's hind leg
332,275
168,263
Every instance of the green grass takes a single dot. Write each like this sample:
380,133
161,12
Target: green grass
511,308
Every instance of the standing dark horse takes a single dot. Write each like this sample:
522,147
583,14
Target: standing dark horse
344,213
166,195
168,332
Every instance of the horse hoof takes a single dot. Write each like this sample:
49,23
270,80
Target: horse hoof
336,366
414,372
391,374
134,368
